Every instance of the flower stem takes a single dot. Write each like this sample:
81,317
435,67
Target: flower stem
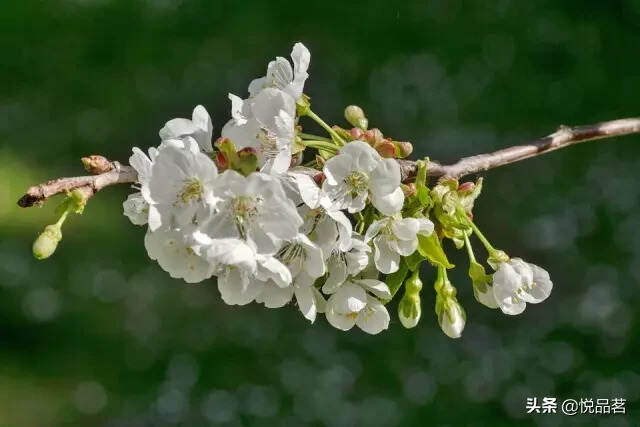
321,145
314,137
482,238
326,127
467,244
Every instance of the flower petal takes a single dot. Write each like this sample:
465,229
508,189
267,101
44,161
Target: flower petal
374,318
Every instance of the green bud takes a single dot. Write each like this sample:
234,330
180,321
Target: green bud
47,242
409,310
355,116
403,148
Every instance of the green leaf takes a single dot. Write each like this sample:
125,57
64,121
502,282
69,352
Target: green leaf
394,280
430,248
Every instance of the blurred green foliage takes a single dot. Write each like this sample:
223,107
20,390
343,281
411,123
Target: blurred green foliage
99,335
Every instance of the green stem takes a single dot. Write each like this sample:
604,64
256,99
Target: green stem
311,136
467,244
321,145
483,239
325,126
62,218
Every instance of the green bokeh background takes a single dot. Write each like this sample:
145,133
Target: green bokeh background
99,335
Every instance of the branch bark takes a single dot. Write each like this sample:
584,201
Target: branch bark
563,137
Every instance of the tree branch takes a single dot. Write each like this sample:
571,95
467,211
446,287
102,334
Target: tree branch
563,137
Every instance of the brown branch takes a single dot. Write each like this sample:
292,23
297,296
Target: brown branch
563,137
89,185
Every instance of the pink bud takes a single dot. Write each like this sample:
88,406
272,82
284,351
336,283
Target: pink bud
221,160
409,189
247,150
386,150
466,186
356,133
319,178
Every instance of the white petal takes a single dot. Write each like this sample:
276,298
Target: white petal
305,299
345,229
237,289
426,226
405,228
364,157
541,286
337,275
387,261
385,178
337,320
374,318
375,228
349,298
274,296
337,168
486,298
376,287
389,204
309,190
270,268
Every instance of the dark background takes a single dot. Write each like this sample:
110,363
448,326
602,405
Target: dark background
99,335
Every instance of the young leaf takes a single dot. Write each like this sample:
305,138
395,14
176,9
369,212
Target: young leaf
430,248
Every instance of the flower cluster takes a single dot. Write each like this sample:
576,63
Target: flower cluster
340,234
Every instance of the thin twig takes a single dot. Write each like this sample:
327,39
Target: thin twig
563,137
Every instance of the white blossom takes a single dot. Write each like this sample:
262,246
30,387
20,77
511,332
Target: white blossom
174,253
180,190
517,282
342,264
352,304
393,237
357,172
265,123
136,208
253,208
282,76
199,128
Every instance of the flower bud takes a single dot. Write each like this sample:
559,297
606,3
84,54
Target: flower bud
303,105
408,189
451,316
96,164
221,160
373,136
466,186
47,242
409,310
386,150
356,117
319,178
403,149
413,285
356,133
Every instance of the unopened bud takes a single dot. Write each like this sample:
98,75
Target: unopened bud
221,160
403,149
47,242
451,316
386,150
356,117
373,136
466,186
413,285
409,310
356,133
319,178
320,161
408,189
96,164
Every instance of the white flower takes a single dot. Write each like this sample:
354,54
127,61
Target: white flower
136,209
394,236
516,283
266,123
199,128
310,300
302,255
342,264
282,76
452,318
174,253
351,305
180,190
324,223
357,172
253,208
242,270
